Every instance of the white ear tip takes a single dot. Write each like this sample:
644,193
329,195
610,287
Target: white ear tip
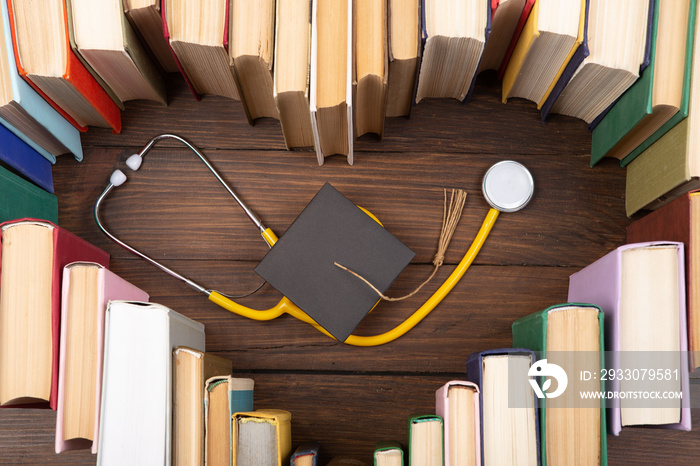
134,161
118,178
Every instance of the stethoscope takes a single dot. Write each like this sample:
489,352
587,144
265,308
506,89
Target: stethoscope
507,186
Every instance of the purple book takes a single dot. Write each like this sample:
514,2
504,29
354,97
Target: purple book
600,283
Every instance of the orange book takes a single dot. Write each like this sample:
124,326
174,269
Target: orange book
45,60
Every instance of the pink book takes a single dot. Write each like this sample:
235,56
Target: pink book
600,283
442,409
109,287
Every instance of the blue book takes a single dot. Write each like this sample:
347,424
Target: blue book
24,160
30,117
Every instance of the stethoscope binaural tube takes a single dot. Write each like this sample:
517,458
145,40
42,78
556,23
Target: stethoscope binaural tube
498,185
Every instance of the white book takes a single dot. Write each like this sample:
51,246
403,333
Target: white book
136,413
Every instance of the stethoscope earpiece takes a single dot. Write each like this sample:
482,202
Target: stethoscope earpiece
508,186
117,178
134,161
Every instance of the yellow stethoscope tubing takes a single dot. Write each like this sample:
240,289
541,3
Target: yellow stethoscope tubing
286,306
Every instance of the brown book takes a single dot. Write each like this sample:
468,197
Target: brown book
145,16
251,49
679,220
371,66
404,55
191,370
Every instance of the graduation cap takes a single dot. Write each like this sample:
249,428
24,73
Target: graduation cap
333,229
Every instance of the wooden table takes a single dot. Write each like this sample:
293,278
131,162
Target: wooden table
345,397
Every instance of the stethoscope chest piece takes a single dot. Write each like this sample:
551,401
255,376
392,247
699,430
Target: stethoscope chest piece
508,186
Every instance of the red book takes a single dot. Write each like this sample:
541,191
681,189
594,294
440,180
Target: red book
516,35
679,220
33,254
73,91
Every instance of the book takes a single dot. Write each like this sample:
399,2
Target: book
370,66
87,288
291,76
137,381
678,221
404,49
659,96
453,35
21,159
105,39
641,289
425,440
191,370
251,51
617,34
507,21
34,253
306,454
388,453
667,168
25,113
572,429
331,229
45,60
261,437
22,199
508,406
146,18
331,78
549,39
457,403
224,396
198,35
524,15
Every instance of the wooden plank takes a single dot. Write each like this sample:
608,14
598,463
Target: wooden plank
482,126
173,207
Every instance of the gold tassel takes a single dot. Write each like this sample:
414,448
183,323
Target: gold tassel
450,218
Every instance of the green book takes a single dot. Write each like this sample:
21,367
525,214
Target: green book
645,112
570,336
22,199
388,452
426,440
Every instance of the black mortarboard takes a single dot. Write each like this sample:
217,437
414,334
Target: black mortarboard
333,229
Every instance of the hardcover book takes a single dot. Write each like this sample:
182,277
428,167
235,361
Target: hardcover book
331,79
87,289
404,55
641,289
462,40
678,220
191,370
572,429
508,406
25,113
659,98
261,437
23,199
425,440
137,383
34,253
46,61
291,76
458,404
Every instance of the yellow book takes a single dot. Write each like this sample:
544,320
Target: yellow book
263,436
552,34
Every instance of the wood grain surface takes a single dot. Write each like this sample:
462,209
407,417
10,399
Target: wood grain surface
345,397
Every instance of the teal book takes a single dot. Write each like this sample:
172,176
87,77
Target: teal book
29,116
23,199
569,336
659,99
